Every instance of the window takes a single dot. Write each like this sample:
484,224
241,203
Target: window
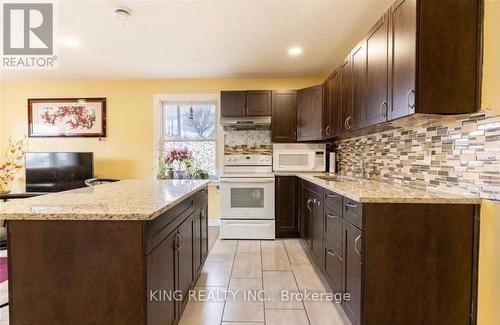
191,125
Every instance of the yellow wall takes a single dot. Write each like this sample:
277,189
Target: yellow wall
491,60
489,249
127,150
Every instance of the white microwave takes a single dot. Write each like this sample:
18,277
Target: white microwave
299,157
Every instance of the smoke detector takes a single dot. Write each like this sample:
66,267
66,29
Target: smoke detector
123,13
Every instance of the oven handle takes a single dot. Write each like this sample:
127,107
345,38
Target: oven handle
248,180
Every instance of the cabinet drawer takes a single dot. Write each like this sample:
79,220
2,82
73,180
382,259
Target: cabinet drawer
353,212
333,230
333,201
313,188
334,268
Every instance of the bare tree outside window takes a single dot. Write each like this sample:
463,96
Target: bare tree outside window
191,126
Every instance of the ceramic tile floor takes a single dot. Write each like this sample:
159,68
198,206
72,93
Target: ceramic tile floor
244,266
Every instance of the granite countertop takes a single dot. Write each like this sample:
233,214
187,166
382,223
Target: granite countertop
370,191
123,200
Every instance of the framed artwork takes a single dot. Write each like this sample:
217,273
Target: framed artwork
67,117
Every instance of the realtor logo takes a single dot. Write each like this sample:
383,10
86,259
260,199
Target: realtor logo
28,36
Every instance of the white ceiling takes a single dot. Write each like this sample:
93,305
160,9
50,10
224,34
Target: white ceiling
205,39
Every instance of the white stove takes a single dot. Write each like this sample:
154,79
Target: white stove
247,197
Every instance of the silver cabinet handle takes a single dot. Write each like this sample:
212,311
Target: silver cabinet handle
307,204
328,128
177,242
330,252
347,124
332,195
329,215
356,245
383,109
181,241
408,99
350,205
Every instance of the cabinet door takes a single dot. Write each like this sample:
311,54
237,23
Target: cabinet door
317,230
306,215
233,103
284,118
326,106
161,271
286,207
204,235
403,58
346,95
332,125
197,242
185,257
310,113
258,103
353,260
376,104
334,268
358,61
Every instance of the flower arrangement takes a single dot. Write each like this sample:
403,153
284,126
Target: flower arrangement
14,159
179,163
183,157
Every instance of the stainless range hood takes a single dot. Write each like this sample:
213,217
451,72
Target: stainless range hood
246,123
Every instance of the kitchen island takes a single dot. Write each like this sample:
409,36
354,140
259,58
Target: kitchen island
109,254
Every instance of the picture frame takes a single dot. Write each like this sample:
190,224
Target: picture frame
67,117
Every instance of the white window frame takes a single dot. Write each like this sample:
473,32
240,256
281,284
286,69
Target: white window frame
160,99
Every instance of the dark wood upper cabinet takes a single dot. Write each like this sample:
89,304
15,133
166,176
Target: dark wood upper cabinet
310,113
376,101
332,105
258,103
284,116
233,103
245,103
358,84
403,56
286,193
346,95
443,75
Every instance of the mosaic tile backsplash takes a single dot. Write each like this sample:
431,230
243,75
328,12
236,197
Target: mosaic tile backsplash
248,142
460,152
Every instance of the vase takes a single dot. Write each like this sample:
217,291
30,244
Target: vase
170,174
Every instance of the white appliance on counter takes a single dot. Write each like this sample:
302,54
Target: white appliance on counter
247,197
299,157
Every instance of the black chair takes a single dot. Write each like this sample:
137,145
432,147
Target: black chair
5,198
97,181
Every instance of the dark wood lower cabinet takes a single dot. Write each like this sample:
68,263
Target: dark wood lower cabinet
286,214
163,260
106,272
353,263
400,263
186,258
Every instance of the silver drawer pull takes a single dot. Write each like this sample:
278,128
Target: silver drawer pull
329,215
330,252
350,205
356,245
332,195
307,204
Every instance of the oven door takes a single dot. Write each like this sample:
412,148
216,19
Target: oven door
297,160
247,198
